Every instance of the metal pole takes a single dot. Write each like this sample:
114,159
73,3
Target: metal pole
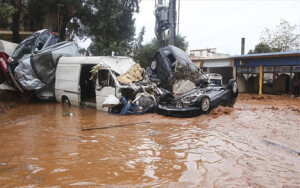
172,18
178,17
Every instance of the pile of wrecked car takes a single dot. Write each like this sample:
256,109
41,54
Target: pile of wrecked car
47,68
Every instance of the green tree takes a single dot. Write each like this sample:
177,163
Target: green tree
110,25
144,55
11,9
263,48
35,13
66,9
284,38
6,11
35,16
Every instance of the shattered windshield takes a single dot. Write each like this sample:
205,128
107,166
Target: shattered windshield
26,47
174,52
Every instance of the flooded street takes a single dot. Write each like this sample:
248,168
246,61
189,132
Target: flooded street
255,144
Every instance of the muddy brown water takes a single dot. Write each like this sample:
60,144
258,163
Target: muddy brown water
41,147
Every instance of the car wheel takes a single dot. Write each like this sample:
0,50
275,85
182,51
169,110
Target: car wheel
204,103
232,84
2,78
65,101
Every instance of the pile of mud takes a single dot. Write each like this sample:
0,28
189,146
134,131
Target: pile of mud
220,110
277,100
245,96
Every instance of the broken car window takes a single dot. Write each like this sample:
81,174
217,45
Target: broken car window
41,41
103,77
26,47
170,56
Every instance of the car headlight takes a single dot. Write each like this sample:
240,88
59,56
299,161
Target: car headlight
153,65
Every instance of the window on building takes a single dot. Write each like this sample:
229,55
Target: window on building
295,80
268,68
248,79
268,83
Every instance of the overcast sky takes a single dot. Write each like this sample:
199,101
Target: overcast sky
222,24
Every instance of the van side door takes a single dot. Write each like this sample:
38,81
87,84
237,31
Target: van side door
105,86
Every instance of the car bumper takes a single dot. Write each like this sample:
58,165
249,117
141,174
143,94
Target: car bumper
178,112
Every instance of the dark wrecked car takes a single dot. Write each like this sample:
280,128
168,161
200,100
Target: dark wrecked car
31,69
201,99
171,64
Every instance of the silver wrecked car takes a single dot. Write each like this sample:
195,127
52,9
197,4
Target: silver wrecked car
204,97
32,66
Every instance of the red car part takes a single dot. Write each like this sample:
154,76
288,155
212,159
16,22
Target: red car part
3,62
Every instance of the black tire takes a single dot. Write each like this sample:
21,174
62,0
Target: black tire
232,85
166,98
2,77
65,100
201,82
203,102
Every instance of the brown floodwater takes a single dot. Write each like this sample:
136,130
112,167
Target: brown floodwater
253,145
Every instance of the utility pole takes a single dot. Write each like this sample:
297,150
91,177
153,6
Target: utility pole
172,19
178,18
243,46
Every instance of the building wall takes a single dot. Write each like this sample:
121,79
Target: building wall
203,52
280,75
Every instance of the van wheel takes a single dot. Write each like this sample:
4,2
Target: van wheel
65,101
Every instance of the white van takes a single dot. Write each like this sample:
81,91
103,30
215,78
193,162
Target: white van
74,83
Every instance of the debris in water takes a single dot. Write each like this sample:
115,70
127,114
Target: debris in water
283,147
59,170
72,154
5,107
83,183
273,108
111,126
66,114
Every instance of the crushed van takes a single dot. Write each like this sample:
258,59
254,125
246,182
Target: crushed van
114,84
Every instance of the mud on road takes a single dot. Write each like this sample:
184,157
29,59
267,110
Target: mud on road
254,144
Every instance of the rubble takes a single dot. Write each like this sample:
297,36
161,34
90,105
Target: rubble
39,64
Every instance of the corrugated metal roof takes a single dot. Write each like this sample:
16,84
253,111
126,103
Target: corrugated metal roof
262,55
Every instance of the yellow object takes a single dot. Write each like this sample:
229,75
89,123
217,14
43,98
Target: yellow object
134,74
261,72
